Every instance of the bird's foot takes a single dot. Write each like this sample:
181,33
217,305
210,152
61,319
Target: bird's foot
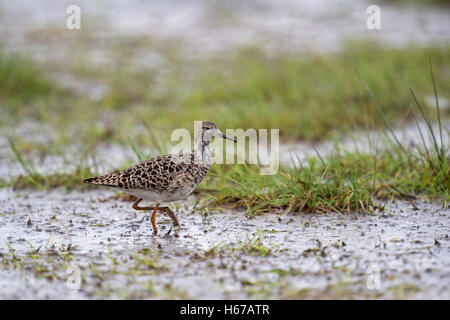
168,232
176,229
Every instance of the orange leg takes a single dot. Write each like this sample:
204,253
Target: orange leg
136,206
152,219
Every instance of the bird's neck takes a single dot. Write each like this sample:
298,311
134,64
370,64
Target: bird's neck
202,153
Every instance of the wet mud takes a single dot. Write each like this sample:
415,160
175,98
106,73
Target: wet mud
402,252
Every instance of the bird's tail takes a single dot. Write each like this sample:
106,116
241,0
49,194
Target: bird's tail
107,180
95,180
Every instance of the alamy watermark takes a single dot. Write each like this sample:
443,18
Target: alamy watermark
373,21
73,277
73,21
373,277
262,149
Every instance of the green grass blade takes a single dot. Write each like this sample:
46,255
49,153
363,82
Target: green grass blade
133,147
380,112
19,158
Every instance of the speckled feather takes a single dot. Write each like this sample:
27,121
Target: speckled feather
168,173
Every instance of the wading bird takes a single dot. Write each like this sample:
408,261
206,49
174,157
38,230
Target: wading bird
167,178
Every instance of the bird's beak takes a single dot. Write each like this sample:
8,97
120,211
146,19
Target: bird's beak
228,138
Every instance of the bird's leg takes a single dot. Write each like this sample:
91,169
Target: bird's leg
173,217
152,219
136,206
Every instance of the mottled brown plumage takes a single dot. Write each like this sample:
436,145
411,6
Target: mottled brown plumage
159,174
166,178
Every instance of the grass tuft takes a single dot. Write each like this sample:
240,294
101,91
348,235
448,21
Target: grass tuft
342,182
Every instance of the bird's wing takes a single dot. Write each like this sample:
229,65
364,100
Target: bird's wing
154,174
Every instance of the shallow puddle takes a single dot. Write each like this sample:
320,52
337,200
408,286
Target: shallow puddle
403,252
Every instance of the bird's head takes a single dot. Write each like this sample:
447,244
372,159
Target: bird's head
209,130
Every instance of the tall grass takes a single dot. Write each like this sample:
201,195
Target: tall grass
310,96
32,178
343,182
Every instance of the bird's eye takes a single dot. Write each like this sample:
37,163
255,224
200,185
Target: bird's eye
207,128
